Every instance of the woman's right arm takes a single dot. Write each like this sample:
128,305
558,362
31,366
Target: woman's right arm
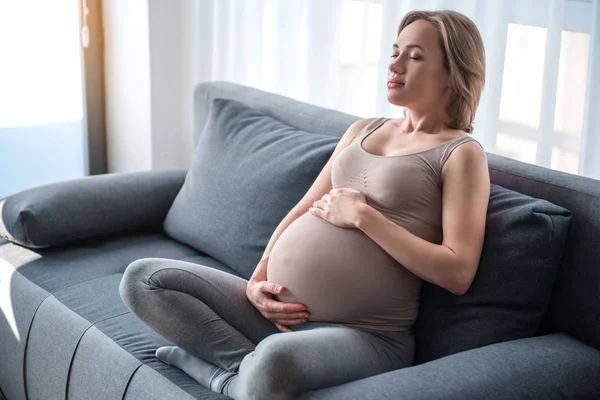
258,290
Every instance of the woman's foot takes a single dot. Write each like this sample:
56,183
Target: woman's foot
202,371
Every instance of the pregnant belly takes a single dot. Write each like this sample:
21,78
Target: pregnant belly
341,275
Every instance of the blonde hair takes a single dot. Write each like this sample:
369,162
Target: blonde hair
464,59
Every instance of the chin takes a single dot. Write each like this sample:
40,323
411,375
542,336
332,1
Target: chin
397,100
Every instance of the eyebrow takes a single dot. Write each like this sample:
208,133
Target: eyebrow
408,46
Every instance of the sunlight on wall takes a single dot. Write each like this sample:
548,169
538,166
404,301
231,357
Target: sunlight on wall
359,58
42,82
522,90
523,74
513,146
570,100
572,77
353,49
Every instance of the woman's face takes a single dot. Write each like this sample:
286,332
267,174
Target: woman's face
417,78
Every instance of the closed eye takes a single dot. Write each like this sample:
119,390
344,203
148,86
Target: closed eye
412,58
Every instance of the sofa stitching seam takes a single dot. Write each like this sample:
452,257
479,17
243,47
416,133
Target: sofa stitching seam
73,359
83,281
130,379
26,348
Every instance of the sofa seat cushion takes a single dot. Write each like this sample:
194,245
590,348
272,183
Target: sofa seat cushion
69,297
549,367
522,250
248,171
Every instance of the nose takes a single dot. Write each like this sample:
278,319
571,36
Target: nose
397,65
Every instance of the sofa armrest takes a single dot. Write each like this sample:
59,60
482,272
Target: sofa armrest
90,207
555,366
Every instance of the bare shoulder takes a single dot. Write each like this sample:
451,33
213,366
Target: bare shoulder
470,148
356,127
467,159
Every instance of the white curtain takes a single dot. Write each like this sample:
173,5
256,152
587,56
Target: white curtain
540,103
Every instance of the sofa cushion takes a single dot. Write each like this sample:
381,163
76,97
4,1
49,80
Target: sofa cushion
555,367
86,208
249,170
575,304
524,241
65,308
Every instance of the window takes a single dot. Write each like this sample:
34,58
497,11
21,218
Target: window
533,105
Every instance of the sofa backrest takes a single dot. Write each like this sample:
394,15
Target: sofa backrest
306,117
575,303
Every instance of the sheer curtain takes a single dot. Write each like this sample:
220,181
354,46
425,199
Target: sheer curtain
540,103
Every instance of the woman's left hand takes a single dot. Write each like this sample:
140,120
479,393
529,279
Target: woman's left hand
339,207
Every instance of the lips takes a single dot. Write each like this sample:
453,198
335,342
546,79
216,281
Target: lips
395,83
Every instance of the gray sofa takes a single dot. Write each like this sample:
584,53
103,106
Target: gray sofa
65,332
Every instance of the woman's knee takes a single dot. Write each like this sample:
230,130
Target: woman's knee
135,280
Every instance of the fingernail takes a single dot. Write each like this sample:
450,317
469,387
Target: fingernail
278,288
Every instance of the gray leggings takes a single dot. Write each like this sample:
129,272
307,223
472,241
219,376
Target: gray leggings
206,312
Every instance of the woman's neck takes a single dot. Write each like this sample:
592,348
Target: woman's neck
423,122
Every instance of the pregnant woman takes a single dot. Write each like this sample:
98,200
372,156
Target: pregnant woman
336,293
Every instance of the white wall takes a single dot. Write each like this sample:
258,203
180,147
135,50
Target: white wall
194,36
166,49
150,72
127,74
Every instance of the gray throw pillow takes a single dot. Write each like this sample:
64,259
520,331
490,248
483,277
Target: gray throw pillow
524,241
248,171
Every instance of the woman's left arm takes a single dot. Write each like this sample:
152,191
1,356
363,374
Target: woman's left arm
465,196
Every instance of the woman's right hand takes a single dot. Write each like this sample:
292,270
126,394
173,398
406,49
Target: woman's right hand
260,294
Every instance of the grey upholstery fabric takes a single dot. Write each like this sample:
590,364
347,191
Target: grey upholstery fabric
25,298
146,384
91,207
550,367
135,337
99,360
53,338
524,241
68,309
248,172
302,116
575,304
57,267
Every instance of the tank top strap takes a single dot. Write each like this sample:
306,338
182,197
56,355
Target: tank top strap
448,147
370,127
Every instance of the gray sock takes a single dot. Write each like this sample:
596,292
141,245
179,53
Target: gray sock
204,372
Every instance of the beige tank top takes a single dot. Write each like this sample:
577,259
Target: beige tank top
341,274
